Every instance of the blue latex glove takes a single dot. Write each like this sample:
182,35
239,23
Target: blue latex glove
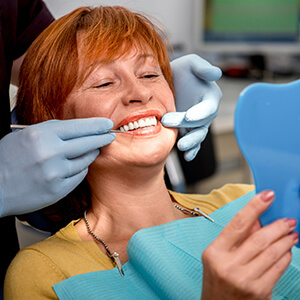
197,101
44,162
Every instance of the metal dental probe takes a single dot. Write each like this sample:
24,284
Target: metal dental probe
18,126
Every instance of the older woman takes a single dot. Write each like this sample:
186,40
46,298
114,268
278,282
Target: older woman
113,63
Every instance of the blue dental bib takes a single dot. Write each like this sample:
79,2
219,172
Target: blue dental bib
165,263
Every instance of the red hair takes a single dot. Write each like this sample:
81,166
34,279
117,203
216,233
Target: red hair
51,67
51,70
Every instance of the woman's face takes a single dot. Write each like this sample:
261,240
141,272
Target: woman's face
133,93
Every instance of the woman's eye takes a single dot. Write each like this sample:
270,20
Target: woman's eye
150,75
102,85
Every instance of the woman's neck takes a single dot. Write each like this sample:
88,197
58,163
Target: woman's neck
123,204
131,200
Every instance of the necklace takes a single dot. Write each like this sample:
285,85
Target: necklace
115,256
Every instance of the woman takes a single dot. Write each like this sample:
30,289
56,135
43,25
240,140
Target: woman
113,63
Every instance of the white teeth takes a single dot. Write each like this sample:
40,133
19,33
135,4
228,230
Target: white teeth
148,122
130,125
139,124
136,125
142,123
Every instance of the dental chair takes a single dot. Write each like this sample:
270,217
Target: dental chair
267,129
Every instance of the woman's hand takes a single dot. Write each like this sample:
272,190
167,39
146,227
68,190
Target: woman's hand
246,261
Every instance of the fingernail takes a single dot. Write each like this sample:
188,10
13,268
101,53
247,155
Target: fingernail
267,196
291,222
294,235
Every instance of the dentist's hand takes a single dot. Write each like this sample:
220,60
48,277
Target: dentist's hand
197,100
44,162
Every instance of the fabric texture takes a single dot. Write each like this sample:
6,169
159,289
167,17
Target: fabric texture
37,268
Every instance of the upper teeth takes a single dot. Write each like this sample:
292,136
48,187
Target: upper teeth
139,124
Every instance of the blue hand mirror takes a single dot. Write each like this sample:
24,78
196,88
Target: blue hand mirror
267,129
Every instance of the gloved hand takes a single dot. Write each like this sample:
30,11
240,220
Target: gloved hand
44,162
197,101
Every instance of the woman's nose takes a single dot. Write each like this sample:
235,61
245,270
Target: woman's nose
136,91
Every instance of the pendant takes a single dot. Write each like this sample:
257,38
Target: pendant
198,210
117,261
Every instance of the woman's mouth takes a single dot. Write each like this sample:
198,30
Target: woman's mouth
139,124
142,127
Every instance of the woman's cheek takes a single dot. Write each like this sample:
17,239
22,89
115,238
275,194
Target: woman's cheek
171,105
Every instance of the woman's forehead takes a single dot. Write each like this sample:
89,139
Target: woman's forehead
102,57
104,52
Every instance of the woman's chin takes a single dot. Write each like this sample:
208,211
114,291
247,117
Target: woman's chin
138,152
153,152
151,158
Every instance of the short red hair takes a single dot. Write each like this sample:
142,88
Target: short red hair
51,70
51,67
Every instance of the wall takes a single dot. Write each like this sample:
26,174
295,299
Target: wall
175,15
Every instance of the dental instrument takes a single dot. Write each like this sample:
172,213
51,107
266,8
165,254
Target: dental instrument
18,126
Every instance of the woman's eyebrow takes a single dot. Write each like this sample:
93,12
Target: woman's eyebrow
144,56
100,62
141,59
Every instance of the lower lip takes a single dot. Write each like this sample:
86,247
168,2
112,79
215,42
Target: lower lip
146,131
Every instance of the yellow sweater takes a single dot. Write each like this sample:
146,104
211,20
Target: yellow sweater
37,268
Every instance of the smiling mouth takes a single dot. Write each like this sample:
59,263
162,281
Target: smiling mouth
139,124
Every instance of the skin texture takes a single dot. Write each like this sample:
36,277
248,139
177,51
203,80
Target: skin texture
246,261
122,91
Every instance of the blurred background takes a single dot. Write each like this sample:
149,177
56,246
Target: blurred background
250,40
